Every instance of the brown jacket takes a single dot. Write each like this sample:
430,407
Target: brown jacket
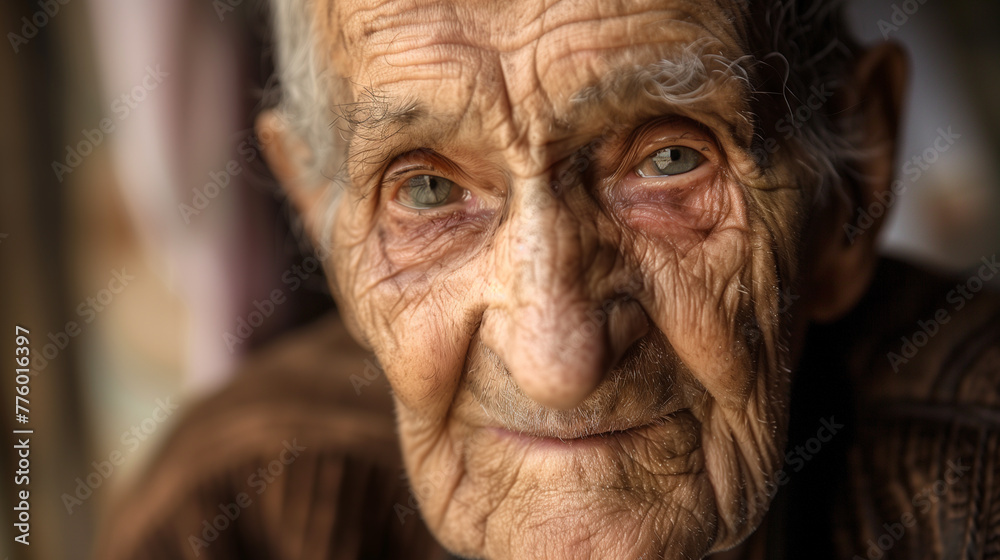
289,461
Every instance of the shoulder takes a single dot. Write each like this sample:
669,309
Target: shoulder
925,365
297,454
930,339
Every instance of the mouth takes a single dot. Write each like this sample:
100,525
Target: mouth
611,432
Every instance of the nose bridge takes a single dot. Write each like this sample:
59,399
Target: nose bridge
550,251
551,247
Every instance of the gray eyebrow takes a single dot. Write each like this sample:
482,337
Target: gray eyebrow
685,80
374,117
680,81
371,121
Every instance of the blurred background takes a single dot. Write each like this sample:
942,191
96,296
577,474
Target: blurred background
140,230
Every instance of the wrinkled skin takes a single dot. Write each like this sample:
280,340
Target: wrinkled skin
587,360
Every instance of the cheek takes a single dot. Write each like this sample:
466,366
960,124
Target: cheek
408,286
413,243
421,337
423,366
679,211
410,250
699,281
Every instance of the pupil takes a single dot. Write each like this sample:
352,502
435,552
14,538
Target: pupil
428,189
666,157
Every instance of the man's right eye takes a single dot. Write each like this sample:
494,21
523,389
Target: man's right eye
423,192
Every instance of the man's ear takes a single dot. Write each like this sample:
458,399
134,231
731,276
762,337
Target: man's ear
845,253
289,158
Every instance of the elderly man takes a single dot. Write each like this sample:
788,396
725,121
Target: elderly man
586,242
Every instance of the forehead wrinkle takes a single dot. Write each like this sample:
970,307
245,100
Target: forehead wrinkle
556,17
578,44
363,22
398,30
404,26
542,120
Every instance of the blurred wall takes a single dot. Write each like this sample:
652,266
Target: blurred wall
119,115
949,215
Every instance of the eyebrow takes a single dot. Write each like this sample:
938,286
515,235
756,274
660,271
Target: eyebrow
374,116
371,122
683,83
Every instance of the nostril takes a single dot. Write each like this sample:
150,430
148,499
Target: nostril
559,354
534,343
564,380
627,323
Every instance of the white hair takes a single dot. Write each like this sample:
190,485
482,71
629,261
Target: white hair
306,100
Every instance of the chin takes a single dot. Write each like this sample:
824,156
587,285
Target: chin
640,492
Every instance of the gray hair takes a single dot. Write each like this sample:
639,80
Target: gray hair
307,83
801,46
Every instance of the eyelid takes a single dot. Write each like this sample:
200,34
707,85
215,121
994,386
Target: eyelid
415,163
701,161
488,183
397,175
425,161
705,148
659,132
643,144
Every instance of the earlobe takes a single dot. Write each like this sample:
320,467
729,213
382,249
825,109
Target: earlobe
845,253
288,157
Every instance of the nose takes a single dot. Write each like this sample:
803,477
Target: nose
557,325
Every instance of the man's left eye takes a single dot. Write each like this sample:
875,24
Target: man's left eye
670,161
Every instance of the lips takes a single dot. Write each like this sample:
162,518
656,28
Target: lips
578,434
673,440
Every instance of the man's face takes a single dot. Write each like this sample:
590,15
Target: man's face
555,242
